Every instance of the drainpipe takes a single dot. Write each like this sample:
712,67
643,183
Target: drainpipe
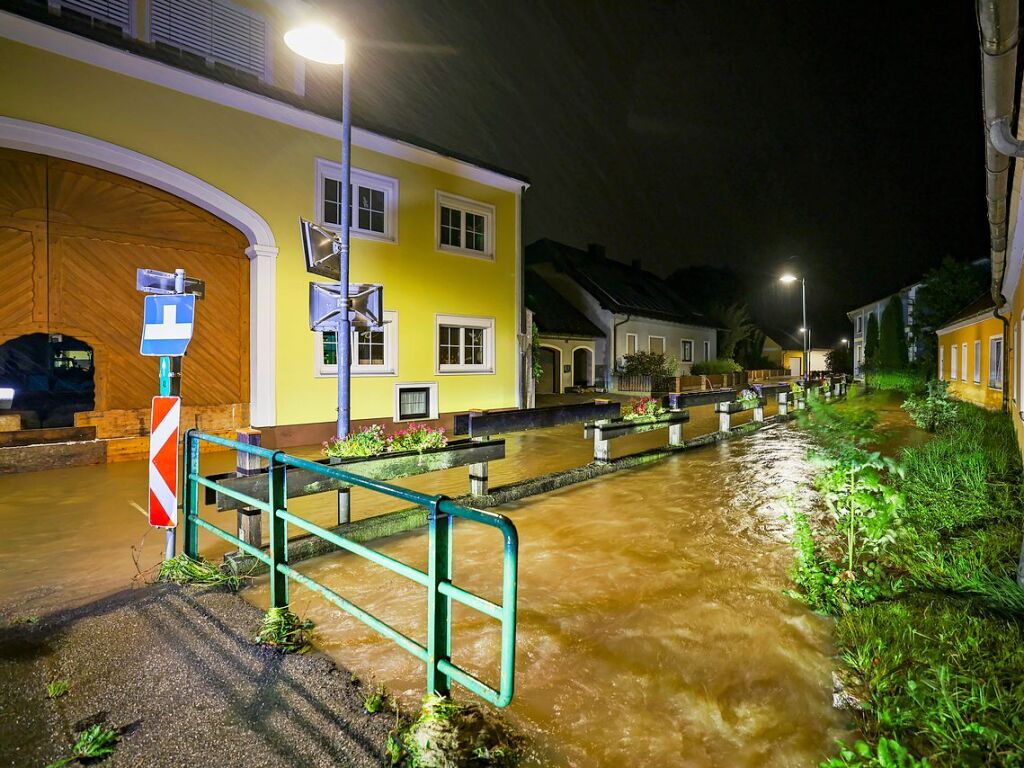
615,349
998,29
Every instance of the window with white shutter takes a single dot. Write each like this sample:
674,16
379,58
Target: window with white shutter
115,12
220,32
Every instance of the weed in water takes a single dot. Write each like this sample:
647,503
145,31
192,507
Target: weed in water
57,688
888,754
448,734
93,744
285,631
25,620
182,569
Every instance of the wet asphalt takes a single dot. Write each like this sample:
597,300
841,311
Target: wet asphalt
175,672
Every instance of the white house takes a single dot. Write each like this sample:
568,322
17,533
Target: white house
634,309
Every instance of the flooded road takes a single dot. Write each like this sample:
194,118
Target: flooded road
652,625
653,629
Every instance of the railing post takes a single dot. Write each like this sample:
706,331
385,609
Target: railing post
344,505
250,521
278,498
190,505
439,606
602,450
783,403
478,475
675,432
724,419
759,411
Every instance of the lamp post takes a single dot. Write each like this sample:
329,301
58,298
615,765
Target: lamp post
320,44
803,305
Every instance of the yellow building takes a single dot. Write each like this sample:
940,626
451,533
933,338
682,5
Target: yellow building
970,354
158,145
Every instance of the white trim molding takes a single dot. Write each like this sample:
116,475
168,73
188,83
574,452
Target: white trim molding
262,251
389,367
593,363
328,169
465,206
485,324
67,44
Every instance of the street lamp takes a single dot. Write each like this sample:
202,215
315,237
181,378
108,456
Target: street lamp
789,278
320,44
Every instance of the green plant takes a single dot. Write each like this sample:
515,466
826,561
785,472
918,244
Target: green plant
736,325
871,342
93,744
642,363
717,366
182,569
644,409
909,382
449,734
934,411
892,339
368,441
888,753
416,437
57,688
285,631
24,620
536,367
375,699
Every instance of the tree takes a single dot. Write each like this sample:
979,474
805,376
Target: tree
945,291
736,327
871,341
838,360
892,339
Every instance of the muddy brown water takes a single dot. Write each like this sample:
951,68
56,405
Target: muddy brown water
653,628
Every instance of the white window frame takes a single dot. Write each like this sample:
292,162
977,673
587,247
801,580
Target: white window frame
954,368
636,343
651,338
707,350
942,362
465,321
977,361
860,324
682,350
327,169
1020,371
389,368
963,362
464,204
429,385
998,360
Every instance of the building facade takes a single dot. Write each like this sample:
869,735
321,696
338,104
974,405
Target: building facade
859,318
633,309
971,351
214,171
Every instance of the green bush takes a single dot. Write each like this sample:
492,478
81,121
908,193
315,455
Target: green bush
368,441
933,412
642,363
716,366
910,382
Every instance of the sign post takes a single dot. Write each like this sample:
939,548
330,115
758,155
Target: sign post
167,327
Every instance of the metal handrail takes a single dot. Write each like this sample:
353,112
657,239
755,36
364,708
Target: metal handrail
436,654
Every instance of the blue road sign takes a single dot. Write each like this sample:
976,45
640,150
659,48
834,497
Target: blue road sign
167,324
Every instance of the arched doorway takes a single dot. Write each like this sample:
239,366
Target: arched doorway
582,367
52,378
550,380
71,239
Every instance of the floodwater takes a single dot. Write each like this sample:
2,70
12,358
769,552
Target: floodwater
653,628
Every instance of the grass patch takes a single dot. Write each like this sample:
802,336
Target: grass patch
932,634
285,631
24,620
375,699
93,744
57,688
182,569
449,734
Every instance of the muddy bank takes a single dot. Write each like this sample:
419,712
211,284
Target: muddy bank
208,697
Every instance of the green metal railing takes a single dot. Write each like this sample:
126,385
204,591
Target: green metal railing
436,654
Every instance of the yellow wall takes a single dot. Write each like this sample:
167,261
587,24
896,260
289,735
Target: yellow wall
269,167
981,330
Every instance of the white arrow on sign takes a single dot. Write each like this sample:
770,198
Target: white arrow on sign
169,327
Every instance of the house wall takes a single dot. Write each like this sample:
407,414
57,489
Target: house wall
567,347
973,389
815,360
673,333
908,297
267,163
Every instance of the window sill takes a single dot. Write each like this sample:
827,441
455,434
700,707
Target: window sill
482,255
465,372
357,374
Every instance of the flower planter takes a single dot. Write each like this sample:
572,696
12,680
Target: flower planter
726,410
386,466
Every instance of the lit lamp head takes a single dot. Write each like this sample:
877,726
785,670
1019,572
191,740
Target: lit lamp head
845,341
317,43
803,330
787,278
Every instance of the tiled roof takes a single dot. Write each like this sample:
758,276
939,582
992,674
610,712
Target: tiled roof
619,287
554,315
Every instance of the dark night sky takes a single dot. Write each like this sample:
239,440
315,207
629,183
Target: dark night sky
840,140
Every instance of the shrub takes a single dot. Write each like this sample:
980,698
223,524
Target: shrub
911,382
716,366
933,412
416,437
642,363
368,441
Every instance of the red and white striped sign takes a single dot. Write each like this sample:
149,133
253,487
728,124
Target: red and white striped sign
163,462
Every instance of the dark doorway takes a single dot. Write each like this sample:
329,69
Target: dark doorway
551,363
52,378
582,360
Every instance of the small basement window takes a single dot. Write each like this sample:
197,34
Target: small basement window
416,401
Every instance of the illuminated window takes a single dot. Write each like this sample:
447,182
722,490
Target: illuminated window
465,226
656,345
995,362
465,344
374,201
687,351
374,352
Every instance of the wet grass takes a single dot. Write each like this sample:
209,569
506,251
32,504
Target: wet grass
57,688
283,630
182,569
933,642
93,744
451,734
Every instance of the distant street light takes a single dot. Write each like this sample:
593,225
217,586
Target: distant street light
789,278
320,44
